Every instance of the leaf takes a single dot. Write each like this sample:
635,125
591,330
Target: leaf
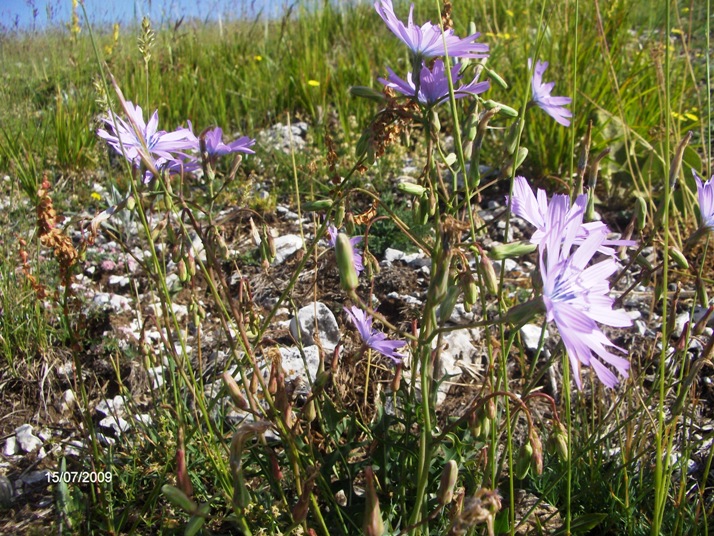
583,523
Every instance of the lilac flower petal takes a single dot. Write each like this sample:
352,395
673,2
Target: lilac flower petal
372,338
705,194
426,41
553,106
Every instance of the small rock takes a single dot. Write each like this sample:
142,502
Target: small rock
7,492
28,442
111,406
10,446
312,316
35,478
156,374
285,247
119,280
530,333
117,424
115,302
294,366
68,401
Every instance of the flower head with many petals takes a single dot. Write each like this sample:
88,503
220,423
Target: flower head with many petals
534,209
426,41
434,85
553,106
576,295
376,340
216,148
136,139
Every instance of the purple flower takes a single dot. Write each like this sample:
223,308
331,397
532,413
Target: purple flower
705,193
434,85
139,139
376,340
426,41
553,106
216,148
576,295
534,209
356,255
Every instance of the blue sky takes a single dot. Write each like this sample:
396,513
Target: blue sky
23,14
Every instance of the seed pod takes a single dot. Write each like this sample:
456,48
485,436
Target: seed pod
560,437
340,215
450,473
507,110
446,308
367,93
488,274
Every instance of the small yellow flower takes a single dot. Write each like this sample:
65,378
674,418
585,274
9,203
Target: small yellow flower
258,58
95,196
509,12
313,83
691,116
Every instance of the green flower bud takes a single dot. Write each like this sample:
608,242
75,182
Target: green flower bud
702,295
507,110
412,189
345,263
182,271
367,93
678,257
196,522
447,306
234,391
450,473
523,461
320,204
640,212
496,78
340,215
488,274
514,249
560,438
179,499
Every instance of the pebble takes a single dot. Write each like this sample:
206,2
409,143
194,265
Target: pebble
316,315
26,439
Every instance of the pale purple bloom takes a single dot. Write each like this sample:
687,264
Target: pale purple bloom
216,148
576,295
553,106
534,209
144,139
376,340
705,193
356,255
434,85
426,41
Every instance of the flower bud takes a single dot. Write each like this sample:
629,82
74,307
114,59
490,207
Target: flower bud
182,271
411,189
435,123
373,524
345,263
488,274
496,77
522,313
449,303
320,204
234,391
514,249
130,203
340,215
537,447
197,520
179,499
678,257
450,473
640,212
702,295
191,262
470,289
507,110
523,461
367,93
560,441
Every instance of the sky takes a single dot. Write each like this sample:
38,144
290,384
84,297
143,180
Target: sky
27,15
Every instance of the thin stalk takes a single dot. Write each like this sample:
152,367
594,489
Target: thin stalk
662,465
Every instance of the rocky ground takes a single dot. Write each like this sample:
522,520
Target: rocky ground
40,424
